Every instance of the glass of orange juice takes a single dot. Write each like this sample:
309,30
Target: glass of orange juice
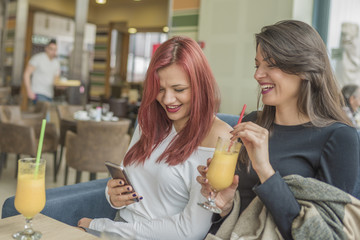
30,194
221,170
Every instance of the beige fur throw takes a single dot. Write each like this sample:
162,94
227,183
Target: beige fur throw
326,213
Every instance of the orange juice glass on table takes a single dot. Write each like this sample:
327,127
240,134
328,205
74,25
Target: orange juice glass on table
30,194
221,170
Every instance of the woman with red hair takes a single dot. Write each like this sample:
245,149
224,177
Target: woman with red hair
177,131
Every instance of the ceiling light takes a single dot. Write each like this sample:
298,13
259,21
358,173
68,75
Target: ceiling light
166,29
132,30
100,1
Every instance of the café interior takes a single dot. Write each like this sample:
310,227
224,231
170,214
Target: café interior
104,48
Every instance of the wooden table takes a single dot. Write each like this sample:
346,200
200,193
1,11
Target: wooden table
49,227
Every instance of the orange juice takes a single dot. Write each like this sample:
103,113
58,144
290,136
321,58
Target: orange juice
30,194
221,170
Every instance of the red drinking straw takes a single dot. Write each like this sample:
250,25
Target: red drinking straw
239,121
241,114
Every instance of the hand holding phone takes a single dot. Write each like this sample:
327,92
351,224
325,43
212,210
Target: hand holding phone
117,172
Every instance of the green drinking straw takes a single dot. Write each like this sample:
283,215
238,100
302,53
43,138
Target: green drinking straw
43,125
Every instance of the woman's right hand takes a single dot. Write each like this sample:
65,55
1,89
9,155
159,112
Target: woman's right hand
256,141
31,94
225,198
120,194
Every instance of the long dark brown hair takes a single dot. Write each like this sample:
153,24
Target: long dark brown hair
296,48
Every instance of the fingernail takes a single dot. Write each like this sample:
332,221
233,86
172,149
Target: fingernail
121,182
134,195
141,198
128,188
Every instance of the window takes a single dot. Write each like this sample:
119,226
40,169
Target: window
141,48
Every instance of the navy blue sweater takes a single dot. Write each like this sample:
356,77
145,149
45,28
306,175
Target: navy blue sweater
330,154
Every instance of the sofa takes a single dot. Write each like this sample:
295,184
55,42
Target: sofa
88,199
70,203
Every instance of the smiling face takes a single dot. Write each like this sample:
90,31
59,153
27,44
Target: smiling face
175,94
278,88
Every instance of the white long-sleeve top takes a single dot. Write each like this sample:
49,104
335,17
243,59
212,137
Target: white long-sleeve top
169,207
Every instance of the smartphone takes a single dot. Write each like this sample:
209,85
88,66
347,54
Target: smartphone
118,172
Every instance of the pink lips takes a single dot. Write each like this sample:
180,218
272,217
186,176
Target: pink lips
266,91
173,110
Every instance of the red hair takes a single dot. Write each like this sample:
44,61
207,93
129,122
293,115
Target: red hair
153,121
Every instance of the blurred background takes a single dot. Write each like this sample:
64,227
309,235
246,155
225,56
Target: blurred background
107,44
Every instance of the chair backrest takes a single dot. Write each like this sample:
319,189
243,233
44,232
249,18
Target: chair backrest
119,106
95,143
228,118
36,113
17,139
66,119
41,108
10,114
5,93
66,112
103,130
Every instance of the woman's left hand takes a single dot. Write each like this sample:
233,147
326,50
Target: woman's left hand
225,198
84,222
256,142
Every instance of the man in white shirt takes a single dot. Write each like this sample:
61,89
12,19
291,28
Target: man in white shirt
44,69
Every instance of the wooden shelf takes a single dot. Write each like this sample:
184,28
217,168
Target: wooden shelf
99,77
9,42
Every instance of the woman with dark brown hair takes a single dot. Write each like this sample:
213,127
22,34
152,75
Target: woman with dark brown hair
301,129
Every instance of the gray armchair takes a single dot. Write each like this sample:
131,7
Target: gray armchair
5,95
93,144
20,135
35,113
67,123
